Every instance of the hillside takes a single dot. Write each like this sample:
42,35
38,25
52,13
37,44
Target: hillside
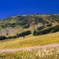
20,23
30,37
30,41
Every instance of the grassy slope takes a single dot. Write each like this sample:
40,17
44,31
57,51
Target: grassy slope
18,29
29,41
51,53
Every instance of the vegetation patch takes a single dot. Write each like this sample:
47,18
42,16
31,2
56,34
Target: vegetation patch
45,31
18,35
40,28
51,53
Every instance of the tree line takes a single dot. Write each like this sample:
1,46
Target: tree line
18,35
45,31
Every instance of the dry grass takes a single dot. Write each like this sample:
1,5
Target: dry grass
51,53
29,41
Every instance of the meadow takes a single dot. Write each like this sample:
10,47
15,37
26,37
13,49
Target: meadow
29,41
49,53
17,24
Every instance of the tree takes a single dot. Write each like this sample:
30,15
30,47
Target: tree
40,28
6,33
34,33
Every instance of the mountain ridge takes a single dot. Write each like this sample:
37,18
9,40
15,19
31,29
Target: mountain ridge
21,23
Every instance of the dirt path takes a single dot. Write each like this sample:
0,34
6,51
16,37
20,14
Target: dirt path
29,48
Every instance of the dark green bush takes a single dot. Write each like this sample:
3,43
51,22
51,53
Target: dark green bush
54,17
34,33
45,31
21,34
6,33
26,25
3,37
40,28
24,33
49,25
38,19
18,35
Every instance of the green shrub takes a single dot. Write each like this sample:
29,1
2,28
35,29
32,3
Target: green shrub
24,33
54,17
3,37
49,30
38,19
26,25
34,33
40,28
21,34
49,25
6,33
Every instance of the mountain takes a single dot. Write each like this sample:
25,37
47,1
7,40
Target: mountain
20,23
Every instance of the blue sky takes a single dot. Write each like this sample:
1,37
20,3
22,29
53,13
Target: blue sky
10,8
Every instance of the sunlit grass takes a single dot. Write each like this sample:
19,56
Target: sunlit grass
30,41
51,53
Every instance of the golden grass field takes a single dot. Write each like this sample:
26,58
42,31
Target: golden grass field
51,53
30,41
